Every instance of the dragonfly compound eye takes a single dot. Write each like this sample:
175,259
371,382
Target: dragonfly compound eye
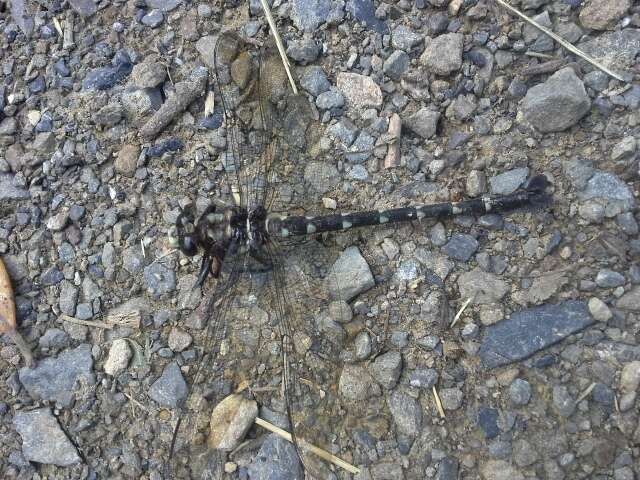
188,245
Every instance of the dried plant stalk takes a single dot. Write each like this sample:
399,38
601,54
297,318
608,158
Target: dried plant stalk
8,316
307,446
560,40
279,44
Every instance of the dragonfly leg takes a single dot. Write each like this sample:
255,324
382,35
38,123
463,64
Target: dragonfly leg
205,270
263,260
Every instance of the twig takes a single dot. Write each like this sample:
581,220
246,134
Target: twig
544,56
462,309
586,393
307,446
88,323
276,36
560,40
438,402
126,319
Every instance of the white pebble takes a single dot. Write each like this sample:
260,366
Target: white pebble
118,359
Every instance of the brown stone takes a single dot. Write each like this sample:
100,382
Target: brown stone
127,160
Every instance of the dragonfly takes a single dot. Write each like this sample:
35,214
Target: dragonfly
276,317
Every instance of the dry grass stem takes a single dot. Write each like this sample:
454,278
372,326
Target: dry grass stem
209,104
560,40
87,323
438,402
586,393
307,446
125,319
276,36
462,309
18,340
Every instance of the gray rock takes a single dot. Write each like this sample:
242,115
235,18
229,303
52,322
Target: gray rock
303,51
508,182
9,190
148,74
85,8
276,459
603,14
68,298
159,279
343,131
170,389
615,50
361,149
153,19
484,287
406,413
404,38
54,338
443,54
140,102
624,148
499,470
21,16
556,104
386,369
423,123
314,80
447,469
330,99
308,15
451,398
396,64
360,91
350,275
118,359
488,421
55,379
363,345
164,5
364,11
461,247
630,300
104,78
354,383
616,195
321,176
43,441
609,279
52,276
523,453
476,183
564,404
424,378
520,391
599,310
529,331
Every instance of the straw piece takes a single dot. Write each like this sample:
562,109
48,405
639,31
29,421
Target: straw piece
462,309
586,393
560,40
88,323
307,446
438,402
279,44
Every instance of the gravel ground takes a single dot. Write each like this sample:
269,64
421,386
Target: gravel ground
103,136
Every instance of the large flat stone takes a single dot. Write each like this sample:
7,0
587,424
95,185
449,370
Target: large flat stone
529,331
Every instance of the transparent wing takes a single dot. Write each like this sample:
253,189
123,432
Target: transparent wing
261,117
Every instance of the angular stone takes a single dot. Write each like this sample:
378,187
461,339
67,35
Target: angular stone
276,459
443,54
556,104
484,287
424,122
43,441
360,91
119,355
603,14
170,389
406,413
529,331
230,420
350,275
55,379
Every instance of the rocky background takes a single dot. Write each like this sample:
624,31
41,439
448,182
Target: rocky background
103,135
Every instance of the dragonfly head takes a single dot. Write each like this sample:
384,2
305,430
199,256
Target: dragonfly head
184,234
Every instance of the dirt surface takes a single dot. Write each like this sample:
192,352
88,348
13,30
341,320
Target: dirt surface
104,138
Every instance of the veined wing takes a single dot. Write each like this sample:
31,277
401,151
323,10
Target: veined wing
262,116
